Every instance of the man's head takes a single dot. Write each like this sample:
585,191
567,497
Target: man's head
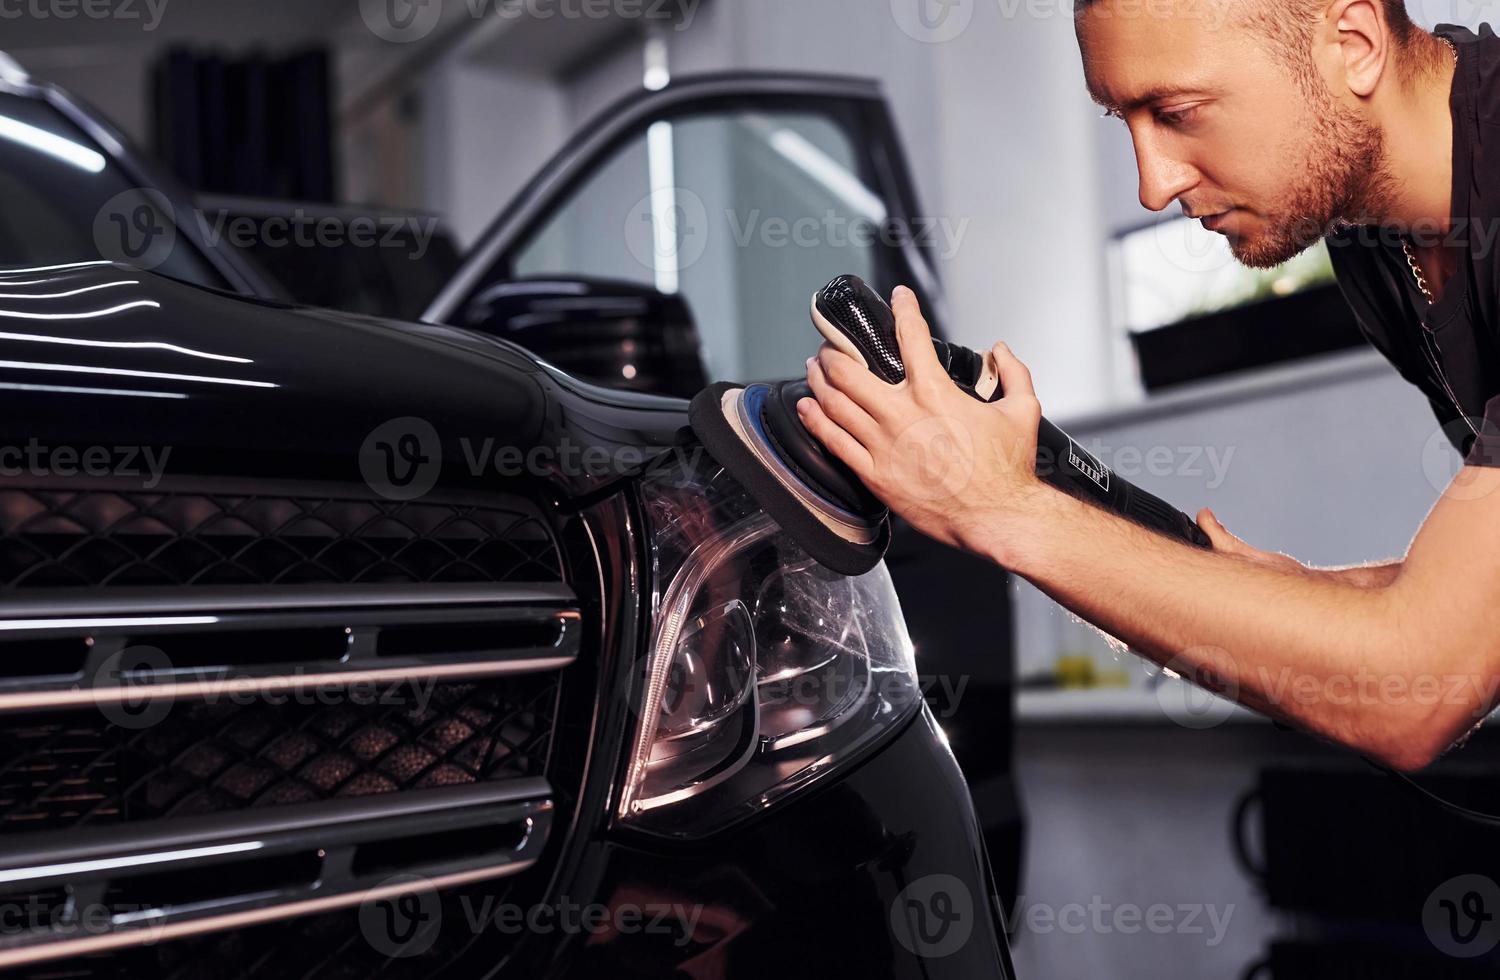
1263,116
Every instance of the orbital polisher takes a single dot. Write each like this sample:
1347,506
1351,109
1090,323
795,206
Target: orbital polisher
755,433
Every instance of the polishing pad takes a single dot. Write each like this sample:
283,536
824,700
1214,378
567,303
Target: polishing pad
848,536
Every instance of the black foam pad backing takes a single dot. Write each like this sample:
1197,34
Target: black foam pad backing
706,416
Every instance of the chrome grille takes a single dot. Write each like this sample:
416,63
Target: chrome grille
455,610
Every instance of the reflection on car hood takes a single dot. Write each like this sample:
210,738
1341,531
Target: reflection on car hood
103,355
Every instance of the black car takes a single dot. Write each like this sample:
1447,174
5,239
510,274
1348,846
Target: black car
341,645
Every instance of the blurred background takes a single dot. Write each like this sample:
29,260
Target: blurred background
1105,787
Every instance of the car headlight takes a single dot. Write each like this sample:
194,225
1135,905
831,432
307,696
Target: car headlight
765,671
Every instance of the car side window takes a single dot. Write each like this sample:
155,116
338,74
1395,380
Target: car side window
744,213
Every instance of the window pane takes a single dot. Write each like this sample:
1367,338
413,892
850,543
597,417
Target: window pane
1177,269
745,214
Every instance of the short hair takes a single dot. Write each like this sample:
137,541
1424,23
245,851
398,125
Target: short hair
1287,25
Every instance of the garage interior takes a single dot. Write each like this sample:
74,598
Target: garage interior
1103,784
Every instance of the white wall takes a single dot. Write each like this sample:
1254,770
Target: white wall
488,132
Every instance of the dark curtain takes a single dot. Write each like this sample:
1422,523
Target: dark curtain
253,126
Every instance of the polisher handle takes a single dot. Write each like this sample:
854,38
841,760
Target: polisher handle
853,317
1071,468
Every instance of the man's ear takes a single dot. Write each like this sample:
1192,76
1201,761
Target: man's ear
1360,40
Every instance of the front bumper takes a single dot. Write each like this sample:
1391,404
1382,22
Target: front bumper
808,891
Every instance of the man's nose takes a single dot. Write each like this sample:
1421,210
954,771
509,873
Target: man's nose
1163,179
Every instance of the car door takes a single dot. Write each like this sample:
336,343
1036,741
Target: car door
742,194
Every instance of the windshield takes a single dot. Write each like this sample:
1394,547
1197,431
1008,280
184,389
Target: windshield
62,200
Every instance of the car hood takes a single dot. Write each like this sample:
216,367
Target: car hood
104,355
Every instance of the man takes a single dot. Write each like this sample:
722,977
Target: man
1276,122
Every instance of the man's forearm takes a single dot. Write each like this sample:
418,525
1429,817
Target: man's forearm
1245,627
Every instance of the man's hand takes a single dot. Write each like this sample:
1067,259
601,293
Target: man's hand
954,467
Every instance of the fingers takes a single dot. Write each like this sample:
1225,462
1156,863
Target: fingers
839,442
1226,542
914,337
854,380
843,410
1218,534
1015,377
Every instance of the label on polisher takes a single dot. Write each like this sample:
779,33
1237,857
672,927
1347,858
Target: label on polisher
1086,463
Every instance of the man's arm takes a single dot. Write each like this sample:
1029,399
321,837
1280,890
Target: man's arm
1373,575
1397,669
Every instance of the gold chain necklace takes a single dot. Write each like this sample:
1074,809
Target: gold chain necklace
1411,258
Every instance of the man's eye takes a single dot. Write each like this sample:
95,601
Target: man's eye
1176,117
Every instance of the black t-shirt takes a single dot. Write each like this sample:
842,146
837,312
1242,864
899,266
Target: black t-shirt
1450,349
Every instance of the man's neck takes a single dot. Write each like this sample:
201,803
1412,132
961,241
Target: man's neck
1419,148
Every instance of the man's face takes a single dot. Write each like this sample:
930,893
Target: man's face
1221,123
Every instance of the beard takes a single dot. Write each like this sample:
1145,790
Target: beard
1341,181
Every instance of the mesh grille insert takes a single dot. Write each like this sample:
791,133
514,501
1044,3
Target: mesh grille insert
237,753
72,538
